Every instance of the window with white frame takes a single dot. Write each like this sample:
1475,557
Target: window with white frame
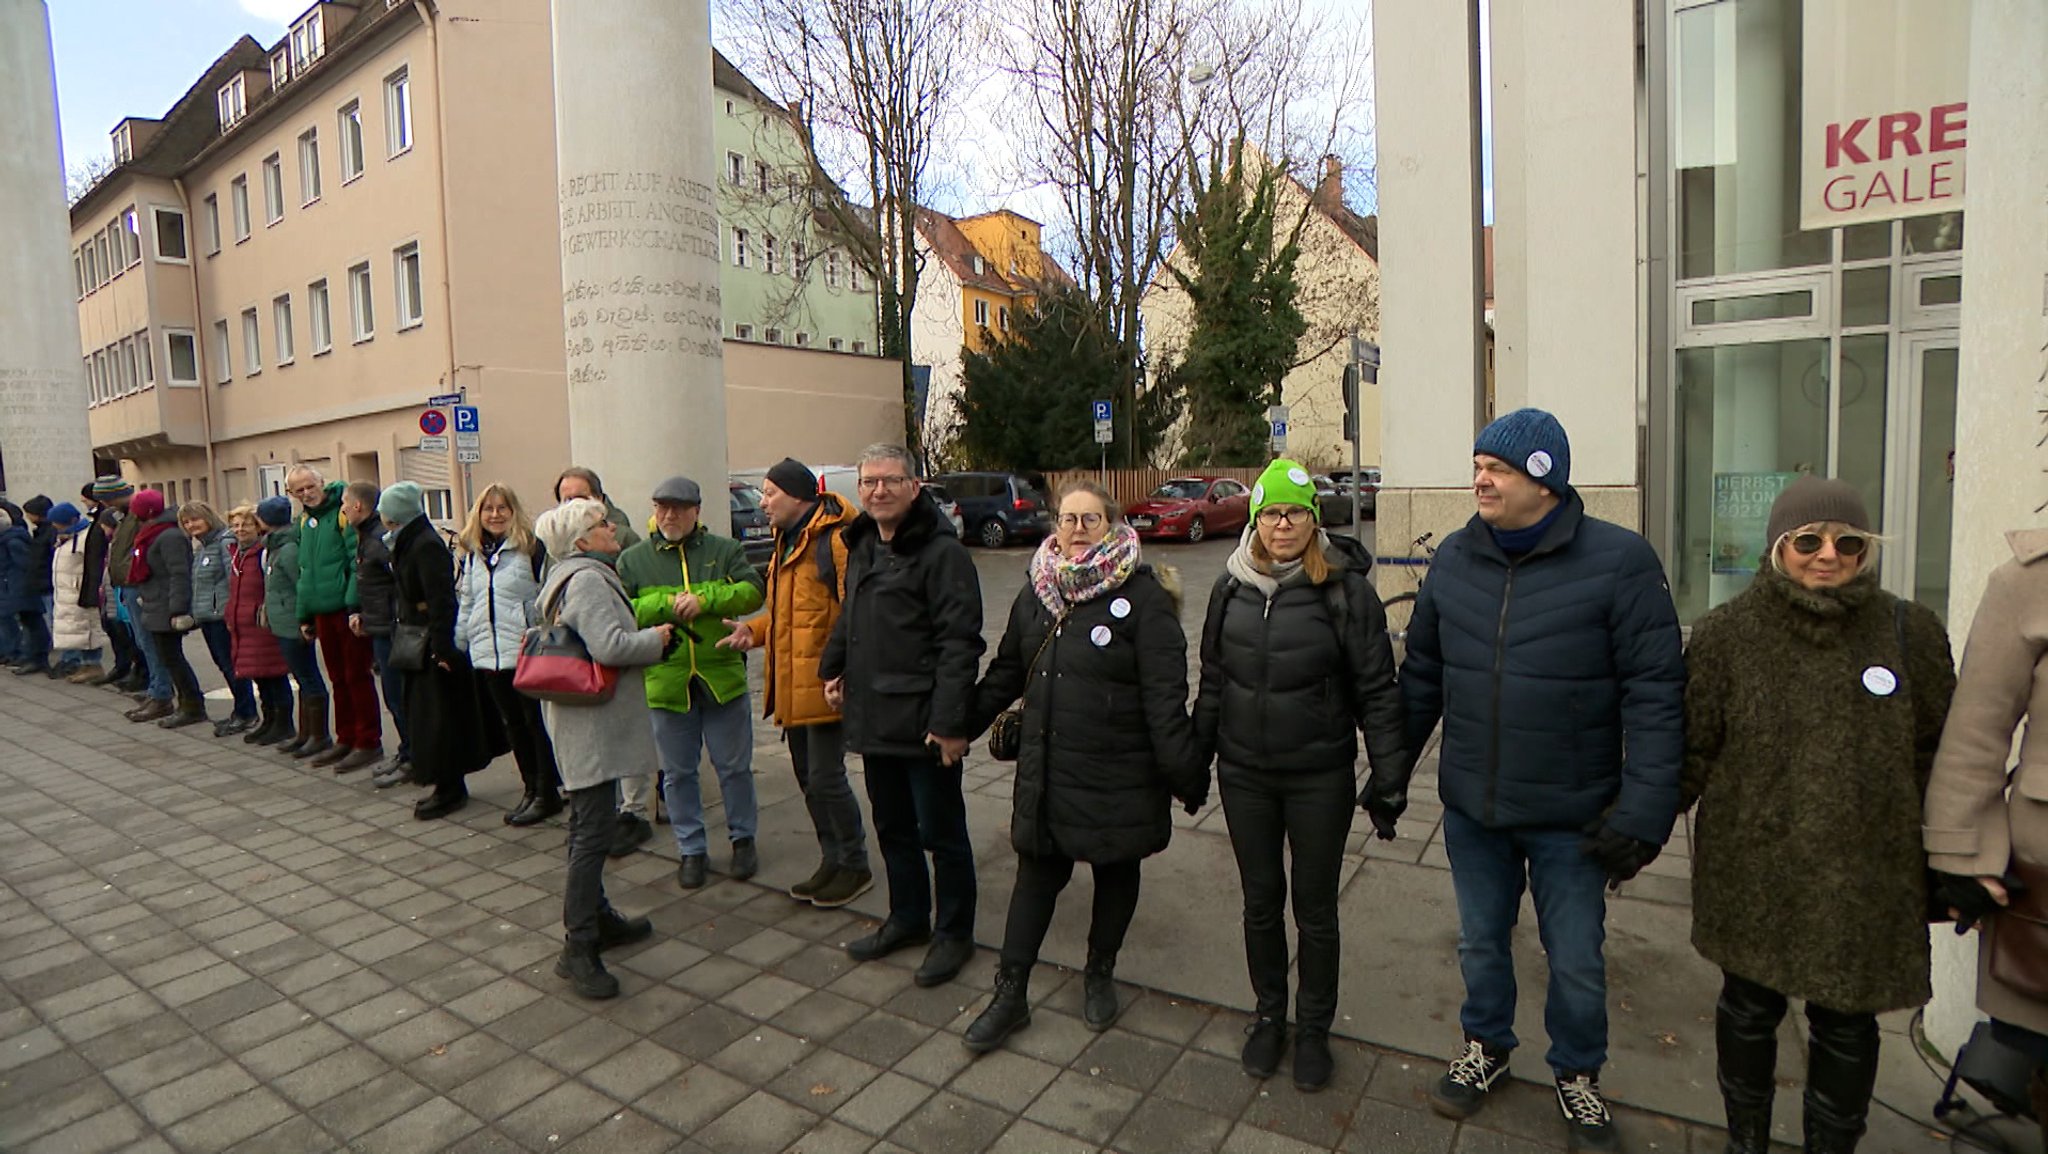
96,372
803,340
795,184
131,237
306,41
1003,317
108,265
735,168
273,189
835,344
309,166
171,246
981,313
281,329
980,266
252,343
764,176
772,336
319,320
118,245
397,113
209,220
406,286
743,332
770,256
739,247
126,349
280,68
832,269
860,346
362,319
349,121
182,357
124,144
231,103
853,277
78,272
238,205
223,362
144,367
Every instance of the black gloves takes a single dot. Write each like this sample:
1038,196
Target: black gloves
1383,804
1621,856
1965,895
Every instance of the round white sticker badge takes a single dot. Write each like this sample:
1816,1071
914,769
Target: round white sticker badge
1259,493
1120,608
1881,682
1298,476
1538,464
1100,636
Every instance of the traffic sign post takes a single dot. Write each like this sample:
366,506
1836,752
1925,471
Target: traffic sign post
1105,431
469,440
466,420
433,444
443,400
1276,417
469,456
433,423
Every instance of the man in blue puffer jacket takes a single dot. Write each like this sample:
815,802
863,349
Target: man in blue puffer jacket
1547,643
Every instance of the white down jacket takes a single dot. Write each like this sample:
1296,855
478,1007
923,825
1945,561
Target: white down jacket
75,626
496,591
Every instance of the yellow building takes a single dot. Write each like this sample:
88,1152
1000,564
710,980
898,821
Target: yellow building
980,274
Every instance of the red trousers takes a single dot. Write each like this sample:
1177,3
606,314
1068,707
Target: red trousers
350,682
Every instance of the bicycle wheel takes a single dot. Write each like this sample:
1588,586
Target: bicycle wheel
1400,609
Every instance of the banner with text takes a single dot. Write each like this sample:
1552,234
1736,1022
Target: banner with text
1885,97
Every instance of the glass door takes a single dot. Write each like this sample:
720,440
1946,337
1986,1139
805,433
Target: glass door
1920,561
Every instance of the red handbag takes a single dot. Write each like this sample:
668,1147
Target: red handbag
554,665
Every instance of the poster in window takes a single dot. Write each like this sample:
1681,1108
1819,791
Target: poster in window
1742,517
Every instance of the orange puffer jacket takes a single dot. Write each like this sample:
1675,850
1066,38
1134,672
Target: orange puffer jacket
801,611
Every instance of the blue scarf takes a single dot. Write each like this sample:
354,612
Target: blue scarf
1520,542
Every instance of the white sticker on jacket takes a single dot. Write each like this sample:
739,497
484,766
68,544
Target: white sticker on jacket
1538,465
1100,636
1120,608
1881,682
1298,476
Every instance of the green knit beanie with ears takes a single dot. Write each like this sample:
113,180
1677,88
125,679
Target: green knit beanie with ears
1285,482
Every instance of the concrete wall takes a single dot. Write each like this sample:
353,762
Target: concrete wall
849,402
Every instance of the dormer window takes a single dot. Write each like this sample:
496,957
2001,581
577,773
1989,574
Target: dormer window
980,266
232,103
280,69
306,41
124,145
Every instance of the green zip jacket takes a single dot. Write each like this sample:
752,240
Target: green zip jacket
715,569
327,559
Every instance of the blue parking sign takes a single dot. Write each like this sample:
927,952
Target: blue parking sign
1101,410
466,419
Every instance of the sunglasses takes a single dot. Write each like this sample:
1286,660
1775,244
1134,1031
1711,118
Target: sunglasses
1848,544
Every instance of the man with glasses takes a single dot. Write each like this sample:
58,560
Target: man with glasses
900,666
1546,642
328,597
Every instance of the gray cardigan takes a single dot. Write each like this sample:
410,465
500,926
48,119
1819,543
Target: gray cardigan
210,577
595,744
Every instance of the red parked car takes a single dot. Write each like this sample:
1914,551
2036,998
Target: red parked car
1191,508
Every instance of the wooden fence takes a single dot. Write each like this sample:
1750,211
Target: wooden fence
1131,485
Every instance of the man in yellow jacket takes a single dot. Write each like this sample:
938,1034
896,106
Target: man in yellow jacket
806,578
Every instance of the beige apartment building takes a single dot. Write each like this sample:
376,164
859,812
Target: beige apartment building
322,234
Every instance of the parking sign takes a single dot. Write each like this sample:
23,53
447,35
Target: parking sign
1100,410
466,419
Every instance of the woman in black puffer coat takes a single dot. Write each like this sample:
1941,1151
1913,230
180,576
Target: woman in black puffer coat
1295,663
1095,649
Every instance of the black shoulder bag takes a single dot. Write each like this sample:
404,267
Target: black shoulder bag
1006,735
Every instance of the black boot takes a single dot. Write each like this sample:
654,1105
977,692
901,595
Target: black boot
301,732
538,809
313,711
1746,1052
1008,1012
519,811
281,728
1099,1008
1841,1072
585,970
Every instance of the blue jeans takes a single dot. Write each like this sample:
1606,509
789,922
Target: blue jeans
392,683
222,648
1489,870
145,645
304,666
11,648
71,659
680,740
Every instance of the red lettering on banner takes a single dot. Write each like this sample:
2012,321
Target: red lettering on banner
1947,124
1938,180
1843,143
1900,129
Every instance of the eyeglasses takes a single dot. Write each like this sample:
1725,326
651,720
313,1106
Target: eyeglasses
1084,520
870,484
1283,515
1848,544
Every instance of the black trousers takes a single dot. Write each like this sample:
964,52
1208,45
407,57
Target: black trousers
919,810
1040,878
1273,816
1841,1064
531,748
125,656
593,816
171,648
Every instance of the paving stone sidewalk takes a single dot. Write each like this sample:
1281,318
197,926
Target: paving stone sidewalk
212,949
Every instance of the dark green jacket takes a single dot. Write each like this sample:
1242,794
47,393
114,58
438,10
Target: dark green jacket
715,568
327,559
281,582
1809,740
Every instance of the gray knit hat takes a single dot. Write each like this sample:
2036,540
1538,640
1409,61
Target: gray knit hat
1811,500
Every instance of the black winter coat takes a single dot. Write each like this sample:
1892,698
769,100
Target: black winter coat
42,549
908,639
453,732
1107,741
375,582
97,541
1559,677
167,594
1282,692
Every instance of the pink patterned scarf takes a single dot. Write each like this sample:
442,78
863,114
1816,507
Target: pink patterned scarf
1061,583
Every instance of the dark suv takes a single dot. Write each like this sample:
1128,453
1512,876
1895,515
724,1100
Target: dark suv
998,508
750,523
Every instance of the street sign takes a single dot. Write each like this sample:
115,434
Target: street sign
1104,434
466,419
1100,409
469,440
469,456
1279,430
433,444
1276,413
443,400
433,422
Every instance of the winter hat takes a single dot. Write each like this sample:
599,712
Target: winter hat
1811,500
1285,482
794,477
111,487
275,512
1531,440
678,491
36,506
148,505
402,503
65,518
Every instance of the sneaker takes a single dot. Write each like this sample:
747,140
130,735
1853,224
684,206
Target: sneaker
632,833
1588,1124
1464,1086
808,888
845,886
1268,1037
1312,1062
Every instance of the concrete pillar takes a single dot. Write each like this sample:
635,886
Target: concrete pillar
1565,219
44,441
2001,468
640,246
1432,379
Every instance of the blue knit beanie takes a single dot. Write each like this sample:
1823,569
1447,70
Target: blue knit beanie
275,512
1531,440
65,518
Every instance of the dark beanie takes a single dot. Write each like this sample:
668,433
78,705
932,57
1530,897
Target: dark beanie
1811,500
275,512
1531,440
793,477
36,506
